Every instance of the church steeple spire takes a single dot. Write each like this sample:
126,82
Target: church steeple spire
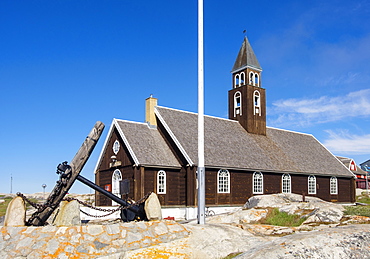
247,100
246,58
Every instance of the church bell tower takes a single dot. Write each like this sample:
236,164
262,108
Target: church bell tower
247,98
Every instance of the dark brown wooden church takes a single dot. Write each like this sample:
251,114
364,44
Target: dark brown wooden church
243,157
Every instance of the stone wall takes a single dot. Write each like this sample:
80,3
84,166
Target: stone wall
86,241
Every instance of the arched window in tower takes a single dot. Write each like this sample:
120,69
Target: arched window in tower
242,78
257,103
236,80
161,182
237,103
256,81
116,178
251,78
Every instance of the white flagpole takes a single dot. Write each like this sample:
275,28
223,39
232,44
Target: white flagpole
201,168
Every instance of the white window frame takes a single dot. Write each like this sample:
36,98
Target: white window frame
161,182
257,102
223,181
116,147
286,183
333,185
116,178
256,81
257,183
236,80
251,78
242,79
311,184
236,106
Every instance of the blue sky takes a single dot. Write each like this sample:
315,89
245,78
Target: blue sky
66,64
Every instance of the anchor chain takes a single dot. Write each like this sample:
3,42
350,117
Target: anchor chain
41,207
110,211
37,206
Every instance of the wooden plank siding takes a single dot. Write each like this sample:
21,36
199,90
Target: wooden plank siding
122,155
271,183
346,188
175,186
241,187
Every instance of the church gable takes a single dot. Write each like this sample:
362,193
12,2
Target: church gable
114,152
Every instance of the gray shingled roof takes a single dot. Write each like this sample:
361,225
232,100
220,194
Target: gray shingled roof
147,144
228,145
246,57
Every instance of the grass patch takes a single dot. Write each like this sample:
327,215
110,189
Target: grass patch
363,199
280,218
4,205
357,210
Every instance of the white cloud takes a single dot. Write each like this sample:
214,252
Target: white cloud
344,142
301,112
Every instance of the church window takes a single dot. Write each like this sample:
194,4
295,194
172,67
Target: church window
333,185
256,103
242,78
251,78
223,181
236,80
256,81
116,146
161,182
237,103
239,79
116,178
257,183
286,183
311,184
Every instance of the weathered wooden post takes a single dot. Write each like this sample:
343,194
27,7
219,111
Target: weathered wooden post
68,177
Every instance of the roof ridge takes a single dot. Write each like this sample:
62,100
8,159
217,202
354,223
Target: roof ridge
292,131
195,113
137,122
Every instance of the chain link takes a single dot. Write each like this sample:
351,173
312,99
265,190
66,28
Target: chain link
111,211
40,207
33,204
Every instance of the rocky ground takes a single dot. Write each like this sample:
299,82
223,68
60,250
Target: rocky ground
220,240
326,233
